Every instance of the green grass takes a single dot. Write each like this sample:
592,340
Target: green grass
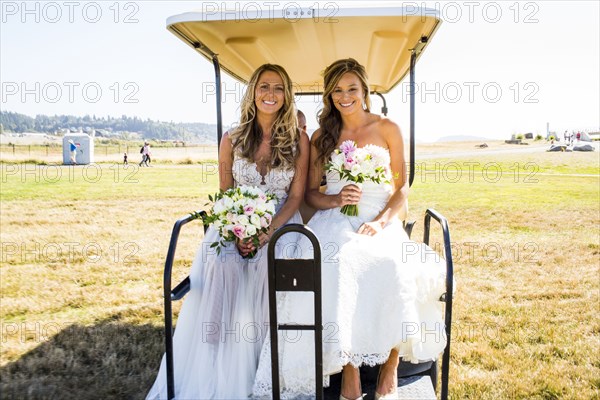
105,181
82,261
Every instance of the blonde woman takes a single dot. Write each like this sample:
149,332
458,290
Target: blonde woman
223,321
380,290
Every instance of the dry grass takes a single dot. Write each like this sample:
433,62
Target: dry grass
82,267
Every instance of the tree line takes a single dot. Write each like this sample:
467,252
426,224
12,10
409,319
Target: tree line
123,127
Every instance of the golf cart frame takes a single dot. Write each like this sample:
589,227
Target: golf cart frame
208,31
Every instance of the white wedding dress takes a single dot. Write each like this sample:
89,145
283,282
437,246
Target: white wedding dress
224,318
379,292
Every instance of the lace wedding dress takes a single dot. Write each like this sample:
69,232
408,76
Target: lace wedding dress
224,318
379,292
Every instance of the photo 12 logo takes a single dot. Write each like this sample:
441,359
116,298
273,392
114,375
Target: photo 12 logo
55,173
475,11
472,92
69,92
53,12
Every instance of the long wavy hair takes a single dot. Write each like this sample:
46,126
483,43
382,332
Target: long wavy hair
247,136
330,119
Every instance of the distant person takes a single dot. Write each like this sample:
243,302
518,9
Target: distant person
571,136
578,136
302,122
125,158
73,152
145,150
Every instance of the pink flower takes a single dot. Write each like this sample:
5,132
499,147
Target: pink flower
263,222
238,230
349,163
268,218
348,147
248,209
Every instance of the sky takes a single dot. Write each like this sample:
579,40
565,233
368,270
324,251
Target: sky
493,69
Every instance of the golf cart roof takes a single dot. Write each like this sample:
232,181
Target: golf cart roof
306,40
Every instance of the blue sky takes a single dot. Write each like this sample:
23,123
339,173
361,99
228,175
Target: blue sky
115,58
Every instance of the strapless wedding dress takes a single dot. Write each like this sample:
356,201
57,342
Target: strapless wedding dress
379,292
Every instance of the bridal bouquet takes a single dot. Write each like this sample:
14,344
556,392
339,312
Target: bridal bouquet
359,164
240,213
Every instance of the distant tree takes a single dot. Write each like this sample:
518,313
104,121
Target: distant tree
199,132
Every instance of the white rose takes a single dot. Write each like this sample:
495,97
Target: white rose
239,203
219,207
227,202
243,220
261,207
251,230
255,220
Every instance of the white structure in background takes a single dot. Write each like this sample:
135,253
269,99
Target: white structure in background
84,148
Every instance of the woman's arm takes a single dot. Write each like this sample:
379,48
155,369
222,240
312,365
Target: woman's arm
350,194
225,163
296,192
393,137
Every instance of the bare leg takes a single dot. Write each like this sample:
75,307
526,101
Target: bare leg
388,379
350,382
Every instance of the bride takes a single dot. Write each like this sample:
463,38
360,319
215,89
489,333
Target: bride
222,323
379,289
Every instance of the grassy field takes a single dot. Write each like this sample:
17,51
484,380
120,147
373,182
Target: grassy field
82,251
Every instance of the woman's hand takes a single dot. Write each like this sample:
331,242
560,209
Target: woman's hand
350,194
244,247
370,228
263,238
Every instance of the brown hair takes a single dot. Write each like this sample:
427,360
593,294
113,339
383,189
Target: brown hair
247,136
330,119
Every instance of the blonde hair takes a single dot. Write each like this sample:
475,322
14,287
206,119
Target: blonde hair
247,136
330,119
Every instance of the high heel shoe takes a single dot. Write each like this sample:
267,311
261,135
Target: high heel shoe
392,395
344,398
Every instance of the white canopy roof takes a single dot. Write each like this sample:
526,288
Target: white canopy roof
306,40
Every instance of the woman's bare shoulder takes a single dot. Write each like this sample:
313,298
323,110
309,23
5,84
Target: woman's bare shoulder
316,134
389,129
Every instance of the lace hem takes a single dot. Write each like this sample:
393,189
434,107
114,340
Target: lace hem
298,391
357,360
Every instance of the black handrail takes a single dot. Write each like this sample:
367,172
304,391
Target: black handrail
411,92
167,298
217,65
318,325
447,297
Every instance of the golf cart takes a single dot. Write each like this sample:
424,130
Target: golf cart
388,41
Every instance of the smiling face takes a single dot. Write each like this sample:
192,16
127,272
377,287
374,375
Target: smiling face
269,94
348,94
